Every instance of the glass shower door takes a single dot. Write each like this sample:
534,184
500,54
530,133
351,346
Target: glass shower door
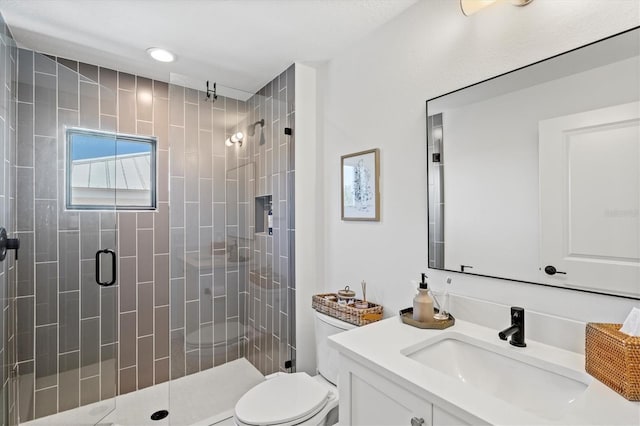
67,292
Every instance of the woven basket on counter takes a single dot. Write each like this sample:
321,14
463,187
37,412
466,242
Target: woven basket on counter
349,313
613,358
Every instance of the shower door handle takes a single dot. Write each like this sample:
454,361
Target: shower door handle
113,267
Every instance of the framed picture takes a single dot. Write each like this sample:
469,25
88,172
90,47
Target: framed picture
360,189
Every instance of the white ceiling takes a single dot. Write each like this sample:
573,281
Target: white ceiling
238,43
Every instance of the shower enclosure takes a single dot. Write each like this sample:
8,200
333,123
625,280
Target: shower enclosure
127,281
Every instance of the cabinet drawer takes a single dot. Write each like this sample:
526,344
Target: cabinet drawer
374,400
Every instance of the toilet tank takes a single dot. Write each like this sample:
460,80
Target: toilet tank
327,357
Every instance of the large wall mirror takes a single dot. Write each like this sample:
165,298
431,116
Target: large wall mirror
534,175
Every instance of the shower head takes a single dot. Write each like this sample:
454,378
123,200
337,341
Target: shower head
251,129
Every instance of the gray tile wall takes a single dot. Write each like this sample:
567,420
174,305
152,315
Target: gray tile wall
10,335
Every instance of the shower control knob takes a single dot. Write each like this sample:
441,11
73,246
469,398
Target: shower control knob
417,421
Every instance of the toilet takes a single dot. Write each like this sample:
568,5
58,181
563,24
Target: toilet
297,398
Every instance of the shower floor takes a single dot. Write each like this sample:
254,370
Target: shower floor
203,398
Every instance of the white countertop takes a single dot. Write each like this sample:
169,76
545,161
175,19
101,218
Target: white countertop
379,345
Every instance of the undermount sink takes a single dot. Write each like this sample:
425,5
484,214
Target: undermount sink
541,388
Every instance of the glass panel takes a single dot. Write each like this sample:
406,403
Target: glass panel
67,359
11,336
232,283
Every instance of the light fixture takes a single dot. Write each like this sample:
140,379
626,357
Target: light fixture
469,7
161,55
235,138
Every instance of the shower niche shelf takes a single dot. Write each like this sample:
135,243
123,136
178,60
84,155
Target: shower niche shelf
262,207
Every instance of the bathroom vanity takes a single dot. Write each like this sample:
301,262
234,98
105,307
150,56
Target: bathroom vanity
395,374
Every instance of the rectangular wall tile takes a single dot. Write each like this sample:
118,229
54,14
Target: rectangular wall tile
176,105
127,380
69,385
89,290
128,290
89,105
88,72
126,111
108,88
26,199
69,265
25,330
161,229
127,233
177,303
90,347
161,281
144,99
46,293
45,104
46,402
67,88
163,176
109,377
26,388
69,303
108,315
25,266
145,362
162,370
145,309
160,89
89,234
25,135
89,390
46,356
177,354
128,339
25,75
145,255
161,332
46,184
126,81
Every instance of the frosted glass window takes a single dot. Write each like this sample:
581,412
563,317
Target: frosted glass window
107,171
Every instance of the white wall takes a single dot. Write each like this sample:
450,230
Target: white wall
308,214
373,96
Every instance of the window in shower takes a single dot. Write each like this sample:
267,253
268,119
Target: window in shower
102,167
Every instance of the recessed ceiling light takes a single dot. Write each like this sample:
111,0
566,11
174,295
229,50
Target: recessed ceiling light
161,55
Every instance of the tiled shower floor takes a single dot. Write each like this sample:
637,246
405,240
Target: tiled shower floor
201,398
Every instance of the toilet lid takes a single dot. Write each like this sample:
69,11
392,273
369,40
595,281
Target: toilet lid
283,399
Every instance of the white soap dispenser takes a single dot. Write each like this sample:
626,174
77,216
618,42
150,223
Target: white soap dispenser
423,303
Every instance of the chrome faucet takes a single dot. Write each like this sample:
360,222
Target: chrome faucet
516,330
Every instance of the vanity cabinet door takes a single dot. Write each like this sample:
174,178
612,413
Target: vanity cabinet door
443,418
367,399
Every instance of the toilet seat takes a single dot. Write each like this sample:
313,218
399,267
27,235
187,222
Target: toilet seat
288,399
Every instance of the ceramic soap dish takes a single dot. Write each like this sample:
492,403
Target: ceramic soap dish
406,315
